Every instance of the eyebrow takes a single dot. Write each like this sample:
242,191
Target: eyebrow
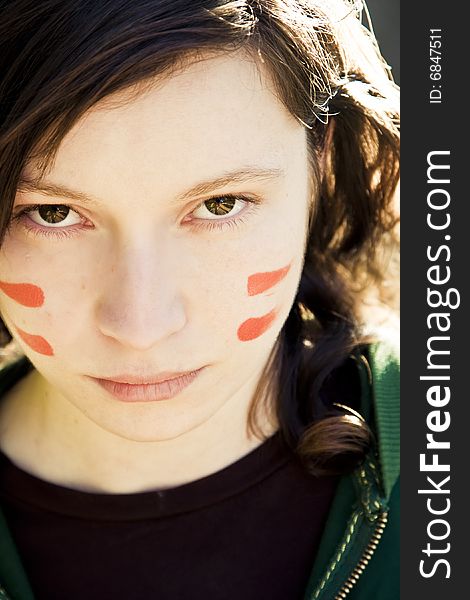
53,189
243,175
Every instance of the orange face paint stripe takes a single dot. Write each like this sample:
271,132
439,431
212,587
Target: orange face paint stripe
253,328
260,282
36,342
26,294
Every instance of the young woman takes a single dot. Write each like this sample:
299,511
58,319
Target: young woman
195,202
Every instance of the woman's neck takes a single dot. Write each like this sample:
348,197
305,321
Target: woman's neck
45,435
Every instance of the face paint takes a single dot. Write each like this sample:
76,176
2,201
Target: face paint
253,328
36,342
26,294
257,284
260,282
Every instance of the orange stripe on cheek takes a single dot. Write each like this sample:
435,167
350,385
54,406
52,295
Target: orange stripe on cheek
36,342
253,328
26,294
260,282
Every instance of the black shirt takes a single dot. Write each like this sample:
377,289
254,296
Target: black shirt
247,532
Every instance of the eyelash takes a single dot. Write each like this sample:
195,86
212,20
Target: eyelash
251,203
35,229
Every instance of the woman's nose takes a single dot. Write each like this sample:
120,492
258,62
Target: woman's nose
140,303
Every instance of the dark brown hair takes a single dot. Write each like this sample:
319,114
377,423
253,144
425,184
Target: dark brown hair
60,57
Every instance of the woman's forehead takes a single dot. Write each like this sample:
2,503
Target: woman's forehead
213,117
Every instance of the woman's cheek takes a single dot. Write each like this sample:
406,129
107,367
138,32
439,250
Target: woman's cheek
42,293
25,299
262,283
35,312
254,327
25,294
36,342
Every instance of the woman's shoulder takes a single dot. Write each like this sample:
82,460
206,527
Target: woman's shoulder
384,405
359,553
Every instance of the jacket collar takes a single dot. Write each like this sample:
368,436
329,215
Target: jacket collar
359,511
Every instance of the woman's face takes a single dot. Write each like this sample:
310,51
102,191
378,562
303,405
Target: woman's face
166,238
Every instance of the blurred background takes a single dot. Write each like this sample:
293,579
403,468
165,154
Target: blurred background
385,15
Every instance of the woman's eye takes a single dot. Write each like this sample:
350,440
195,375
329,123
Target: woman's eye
215,208
54,215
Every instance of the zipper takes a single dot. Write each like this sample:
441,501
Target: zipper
372,515
365,558
367,522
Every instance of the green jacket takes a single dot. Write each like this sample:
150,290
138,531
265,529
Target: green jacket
358,558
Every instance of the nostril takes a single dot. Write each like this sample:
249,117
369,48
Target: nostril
140,325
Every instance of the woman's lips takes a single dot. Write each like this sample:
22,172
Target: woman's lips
164,389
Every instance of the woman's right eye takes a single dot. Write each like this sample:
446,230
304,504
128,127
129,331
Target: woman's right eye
53,215
49,220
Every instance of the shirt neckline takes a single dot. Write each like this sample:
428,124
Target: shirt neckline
20,486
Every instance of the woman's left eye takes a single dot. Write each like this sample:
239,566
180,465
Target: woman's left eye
215,208
223,212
